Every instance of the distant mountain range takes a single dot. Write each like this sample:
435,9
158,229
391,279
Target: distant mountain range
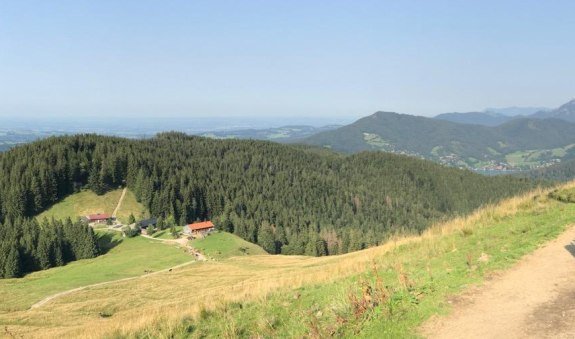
520,143
477,118
565,112
515,111
496,117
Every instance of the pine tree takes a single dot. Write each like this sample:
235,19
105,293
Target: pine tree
266,238
12,267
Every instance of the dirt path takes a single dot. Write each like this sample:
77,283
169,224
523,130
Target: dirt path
120,202
535,299
57,295
182,242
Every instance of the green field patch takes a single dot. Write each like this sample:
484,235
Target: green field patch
221,245
492,151
131,206
279,135
81,204
87,202
167,233
532,158
375,140
125,257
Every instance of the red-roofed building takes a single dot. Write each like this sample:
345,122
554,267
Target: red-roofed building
199,228
98,218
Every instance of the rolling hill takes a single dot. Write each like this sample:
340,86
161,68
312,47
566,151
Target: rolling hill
287,199
456,144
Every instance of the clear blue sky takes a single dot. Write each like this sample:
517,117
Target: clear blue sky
321,59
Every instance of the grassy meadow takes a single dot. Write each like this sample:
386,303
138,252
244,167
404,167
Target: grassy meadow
385,291
124,258
221,245
81,204
87,202
131,206
166,234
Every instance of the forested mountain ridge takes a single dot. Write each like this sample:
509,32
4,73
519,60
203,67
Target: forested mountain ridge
565,112
291,200
476,118
507,145
491,116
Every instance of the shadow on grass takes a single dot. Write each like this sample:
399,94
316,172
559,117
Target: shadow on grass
107,241
571,248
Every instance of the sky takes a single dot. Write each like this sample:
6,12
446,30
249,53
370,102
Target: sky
325,61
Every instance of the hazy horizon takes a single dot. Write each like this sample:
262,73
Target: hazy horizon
300,62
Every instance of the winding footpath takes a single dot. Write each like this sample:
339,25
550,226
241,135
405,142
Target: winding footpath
181,242
534,299
61,294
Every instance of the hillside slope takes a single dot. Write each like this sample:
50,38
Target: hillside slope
453,143
383,291
87,202
289,200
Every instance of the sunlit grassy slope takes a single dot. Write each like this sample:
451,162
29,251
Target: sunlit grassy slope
125,257
87,202
222,245
131,206
406,280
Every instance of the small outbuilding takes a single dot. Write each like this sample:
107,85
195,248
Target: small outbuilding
147,222
144,225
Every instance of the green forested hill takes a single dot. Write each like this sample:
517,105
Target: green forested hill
475,146
292,200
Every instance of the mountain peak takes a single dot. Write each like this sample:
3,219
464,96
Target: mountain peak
570,105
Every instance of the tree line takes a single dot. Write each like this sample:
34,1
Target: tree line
28,246
289,199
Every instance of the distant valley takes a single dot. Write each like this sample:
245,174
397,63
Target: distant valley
280,134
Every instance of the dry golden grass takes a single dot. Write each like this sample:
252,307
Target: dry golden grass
166,298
